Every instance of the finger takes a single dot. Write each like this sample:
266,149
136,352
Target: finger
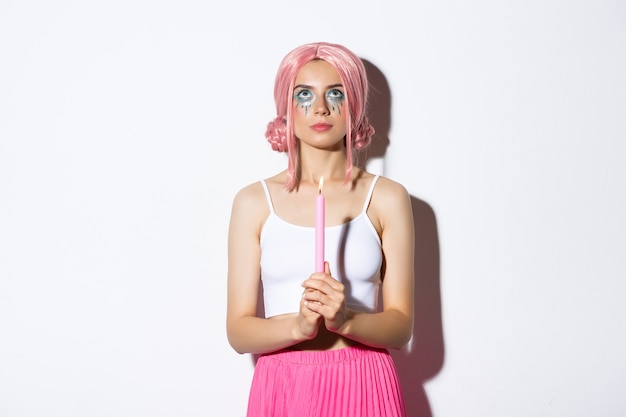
326,285
332,304
307,312
314,307
310,295
328,313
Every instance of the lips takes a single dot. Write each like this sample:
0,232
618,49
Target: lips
321,127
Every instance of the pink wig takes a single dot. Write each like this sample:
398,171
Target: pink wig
354,79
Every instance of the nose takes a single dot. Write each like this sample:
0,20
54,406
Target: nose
320,106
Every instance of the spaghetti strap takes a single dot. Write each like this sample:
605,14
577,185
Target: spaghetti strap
369,193
267,195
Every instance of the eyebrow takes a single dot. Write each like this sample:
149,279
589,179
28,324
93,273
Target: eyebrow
309,86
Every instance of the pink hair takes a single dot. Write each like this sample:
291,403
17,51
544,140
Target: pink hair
351,70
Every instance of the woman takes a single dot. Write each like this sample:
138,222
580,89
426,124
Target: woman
324,341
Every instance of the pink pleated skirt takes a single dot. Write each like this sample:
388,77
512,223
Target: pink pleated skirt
355,381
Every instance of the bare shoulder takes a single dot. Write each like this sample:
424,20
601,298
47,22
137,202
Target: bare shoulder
391,202
250,194
389,189
250,205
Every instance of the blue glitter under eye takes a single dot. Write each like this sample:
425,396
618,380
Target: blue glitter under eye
335,98
305,99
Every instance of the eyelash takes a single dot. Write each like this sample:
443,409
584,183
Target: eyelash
306,93
334,94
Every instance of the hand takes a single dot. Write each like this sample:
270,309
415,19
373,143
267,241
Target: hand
325,296
308,321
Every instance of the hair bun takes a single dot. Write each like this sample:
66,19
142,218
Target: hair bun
363,134
276,134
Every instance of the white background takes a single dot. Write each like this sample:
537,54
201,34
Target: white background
126,127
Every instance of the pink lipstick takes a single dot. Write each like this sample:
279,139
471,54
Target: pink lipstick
321,127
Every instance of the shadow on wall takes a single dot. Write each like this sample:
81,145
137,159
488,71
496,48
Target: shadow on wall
423,358
379,113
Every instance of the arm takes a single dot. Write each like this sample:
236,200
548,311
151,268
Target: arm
246,332
393,326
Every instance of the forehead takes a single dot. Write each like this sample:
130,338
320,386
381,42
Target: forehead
318,73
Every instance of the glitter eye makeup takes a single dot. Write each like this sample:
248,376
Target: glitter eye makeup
335,97
305,98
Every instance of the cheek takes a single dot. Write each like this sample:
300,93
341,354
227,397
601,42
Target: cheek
336,105
301,109
344,122
302,104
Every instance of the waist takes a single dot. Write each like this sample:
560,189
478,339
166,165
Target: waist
324,357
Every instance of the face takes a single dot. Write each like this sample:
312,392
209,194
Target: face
319,114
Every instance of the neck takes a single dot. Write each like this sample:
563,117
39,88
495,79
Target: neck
331,166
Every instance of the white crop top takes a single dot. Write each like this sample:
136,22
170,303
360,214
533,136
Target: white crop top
353,251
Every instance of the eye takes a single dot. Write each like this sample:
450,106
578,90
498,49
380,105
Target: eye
335,94
304,95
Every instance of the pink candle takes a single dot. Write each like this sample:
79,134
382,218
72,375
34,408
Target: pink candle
320,224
